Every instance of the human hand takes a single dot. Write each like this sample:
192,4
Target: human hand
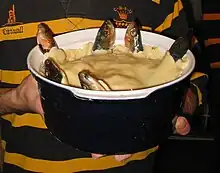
118,158
28,96
190,102
181,125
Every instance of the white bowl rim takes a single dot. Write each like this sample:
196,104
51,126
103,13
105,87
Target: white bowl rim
108,95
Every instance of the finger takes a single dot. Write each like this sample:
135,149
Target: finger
96,156
123,157
190,102
189,105
174,119
184,131
180,122
182,126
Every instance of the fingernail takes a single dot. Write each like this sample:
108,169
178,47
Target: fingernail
96,156
181,122
185,130
120,158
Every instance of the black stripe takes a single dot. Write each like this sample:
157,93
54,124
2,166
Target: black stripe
179,27
4,7
148,12
211,52
37,143
5,85
211,6
202,62
33,11
188,9
65,4
210,29
8,168
14,53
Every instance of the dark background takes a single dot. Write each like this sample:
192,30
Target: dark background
186,156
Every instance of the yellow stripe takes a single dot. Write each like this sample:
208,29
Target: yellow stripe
85,23
32,120
156,1
178,6
194,41
196,75
199,94
146,28
69,166
212,41
13,77
215,65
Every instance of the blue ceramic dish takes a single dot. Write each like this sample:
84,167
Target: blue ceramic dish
109,122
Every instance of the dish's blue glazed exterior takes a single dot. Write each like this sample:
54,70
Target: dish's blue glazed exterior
104,126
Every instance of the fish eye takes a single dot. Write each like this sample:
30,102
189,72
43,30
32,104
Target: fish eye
86,76
106,32
106,27
133,32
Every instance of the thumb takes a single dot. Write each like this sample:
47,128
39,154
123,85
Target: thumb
182,126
